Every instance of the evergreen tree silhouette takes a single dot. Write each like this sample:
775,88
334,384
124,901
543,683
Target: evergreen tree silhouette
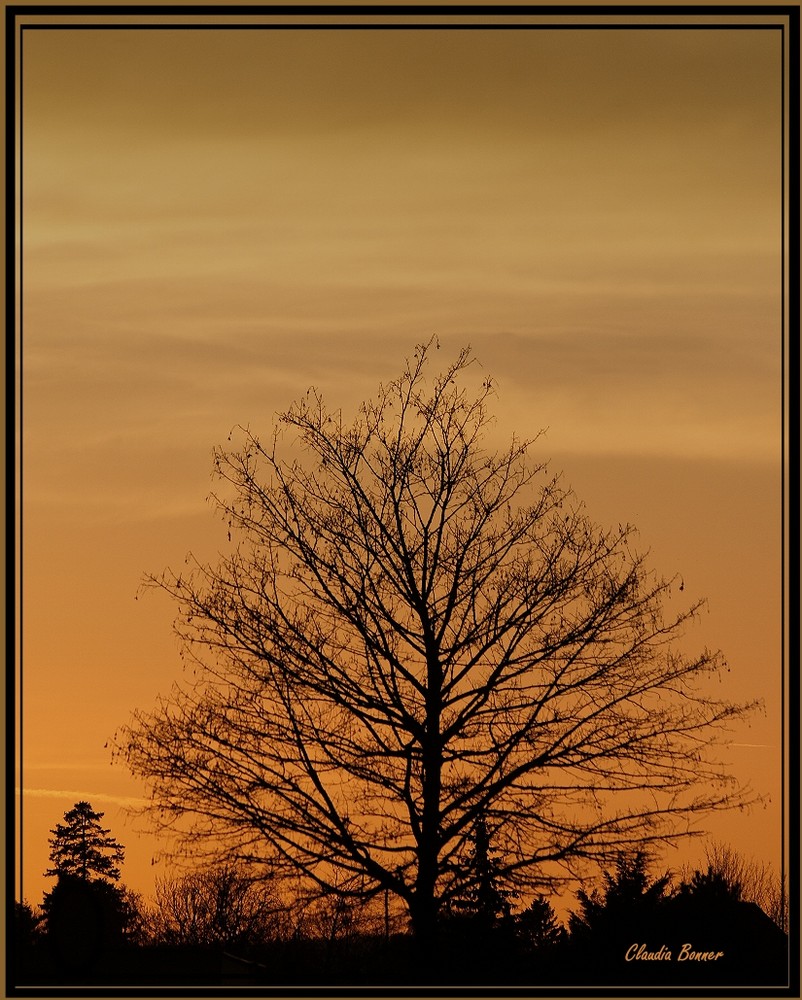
711,887
629,896
627,910
86,912
538,928
485,900
82,848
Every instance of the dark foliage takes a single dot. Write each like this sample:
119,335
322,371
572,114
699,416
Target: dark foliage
483,900
28,924
628,898
81,847
754,953
86,919
25,939
637,931
537,928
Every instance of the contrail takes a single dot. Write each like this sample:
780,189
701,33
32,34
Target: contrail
66,793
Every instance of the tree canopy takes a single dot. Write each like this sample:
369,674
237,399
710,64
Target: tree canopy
628,899
411,633
81,848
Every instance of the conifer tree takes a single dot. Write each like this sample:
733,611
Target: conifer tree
537,926
81,848
484,899
629,898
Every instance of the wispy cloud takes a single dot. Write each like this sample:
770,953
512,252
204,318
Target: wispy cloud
78,796
67,766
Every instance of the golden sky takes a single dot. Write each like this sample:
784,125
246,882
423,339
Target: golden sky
214,220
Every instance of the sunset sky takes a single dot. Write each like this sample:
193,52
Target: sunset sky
214,220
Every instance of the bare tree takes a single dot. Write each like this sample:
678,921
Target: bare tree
746,878
334,918
412,632
220,905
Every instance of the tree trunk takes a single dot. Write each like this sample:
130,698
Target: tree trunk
423,913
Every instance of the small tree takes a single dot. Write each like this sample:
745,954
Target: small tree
742,878
538,928
629,898
27,922
85,911
710,886
412,632
81,848
484,899
730,901
216,906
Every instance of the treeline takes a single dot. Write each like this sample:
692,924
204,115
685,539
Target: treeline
220,926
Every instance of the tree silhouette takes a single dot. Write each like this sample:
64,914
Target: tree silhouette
484,899
630,907
712,904
712,886
537,926
628,899
217,906
409,632
86,913
634,915
753,880
80,847
27,931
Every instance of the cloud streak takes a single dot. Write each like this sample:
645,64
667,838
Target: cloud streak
81,796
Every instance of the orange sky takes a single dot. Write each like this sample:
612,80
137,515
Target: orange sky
215,220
